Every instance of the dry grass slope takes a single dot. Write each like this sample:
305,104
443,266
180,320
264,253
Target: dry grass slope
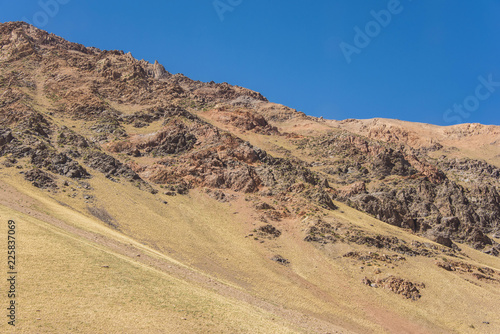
195,263
68,284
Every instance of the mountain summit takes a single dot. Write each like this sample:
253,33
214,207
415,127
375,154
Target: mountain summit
165,204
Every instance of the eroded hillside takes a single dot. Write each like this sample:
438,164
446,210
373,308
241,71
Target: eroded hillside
302,224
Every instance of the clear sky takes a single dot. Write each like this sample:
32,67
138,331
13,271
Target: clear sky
433,61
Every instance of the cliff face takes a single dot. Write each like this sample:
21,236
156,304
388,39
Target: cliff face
443,198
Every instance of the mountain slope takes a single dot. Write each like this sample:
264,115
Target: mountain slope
236,213
70,281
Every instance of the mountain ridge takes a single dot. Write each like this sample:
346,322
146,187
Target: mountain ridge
254,195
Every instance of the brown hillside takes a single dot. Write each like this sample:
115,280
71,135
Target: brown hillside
147,202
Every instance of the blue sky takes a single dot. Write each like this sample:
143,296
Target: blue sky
432,61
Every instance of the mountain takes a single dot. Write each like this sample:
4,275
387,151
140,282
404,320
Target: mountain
147,202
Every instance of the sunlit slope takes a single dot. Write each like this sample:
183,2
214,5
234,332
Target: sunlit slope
190,259
68,284
209,257
145,202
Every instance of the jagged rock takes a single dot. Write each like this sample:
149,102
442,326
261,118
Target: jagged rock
69,137
446,266
401,286
36,123
439,238
352,189
58,163
445,207
108,165
159,71
322,232
371,256
280,259
244,120
218,195
5,137
145,117
269,231
40,179
480,273
478,239
263,206
106,125
425,199
382,205
493,250
323,199
180,189
174,138
380,241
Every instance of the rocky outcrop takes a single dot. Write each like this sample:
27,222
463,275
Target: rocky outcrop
445,211
480,273
109,166
134,120
322,232
360,159
172,139
440,238
280,259
371,257
223,168
157,71
243,120
58,163
69,137
400,286
5,137
352,190
145,117
469,170
268,231
40,179
218,195
444,199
